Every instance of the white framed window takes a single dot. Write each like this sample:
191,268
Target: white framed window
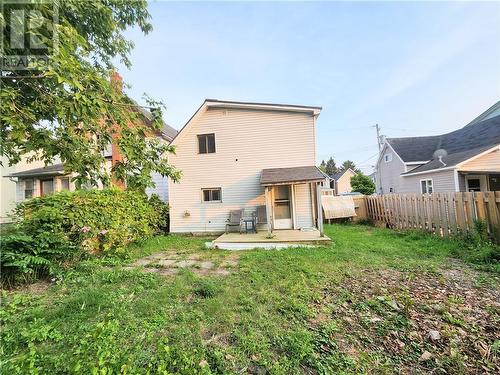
211,195
426,186
29,187
388,157
206,143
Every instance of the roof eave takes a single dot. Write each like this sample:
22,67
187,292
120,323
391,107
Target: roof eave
266,106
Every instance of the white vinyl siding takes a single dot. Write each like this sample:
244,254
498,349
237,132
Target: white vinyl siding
161,187
389,174
303,206
247,142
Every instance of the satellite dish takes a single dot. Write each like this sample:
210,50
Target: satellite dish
440,153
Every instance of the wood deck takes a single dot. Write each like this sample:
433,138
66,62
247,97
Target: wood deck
279,237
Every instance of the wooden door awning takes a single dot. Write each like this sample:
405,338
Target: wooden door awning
291,175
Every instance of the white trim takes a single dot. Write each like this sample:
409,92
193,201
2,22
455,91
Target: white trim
429,171
456,181
497,147
203,201
382,152
264,106
417,162
456,166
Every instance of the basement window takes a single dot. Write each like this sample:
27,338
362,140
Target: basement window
211,195
206,143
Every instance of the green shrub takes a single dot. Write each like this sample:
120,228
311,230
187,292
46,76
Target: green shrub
65,226
476,247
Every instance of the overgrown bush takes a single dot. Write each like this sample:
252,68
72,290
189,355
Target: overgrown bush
65,226
476,247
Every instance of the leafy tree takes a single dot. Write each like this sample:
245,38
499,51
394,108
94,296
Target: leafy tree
362,184
66,107
322,166
349,164
331,167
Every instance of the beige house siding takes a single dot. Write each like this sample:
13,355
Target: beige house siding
247,141
389,174
489,162
344,182
443,181
303,206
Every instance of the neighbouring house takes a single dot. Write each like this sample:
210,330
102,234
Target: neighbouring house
245,156
467,159
27,180
340,182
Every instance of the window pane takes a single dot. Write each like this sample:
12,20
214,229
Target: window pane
202,144
211,195
211,143
429,189
429,182
65,183
423,187
282,192
47,187
282,210
28,184
474,183
216,195
206,195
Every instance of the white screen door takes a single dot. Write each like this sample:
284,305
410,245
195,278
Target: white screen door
282,209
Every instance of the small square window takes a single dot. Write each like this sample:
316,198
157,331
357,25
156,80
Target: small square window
206,143
211,195
387,158
426,186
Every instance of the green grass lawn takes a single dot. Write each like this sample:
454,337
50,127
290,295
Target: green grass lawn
365,304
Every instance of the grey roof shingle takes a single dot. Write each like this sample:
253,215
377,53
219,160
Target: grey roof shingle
274,176
169,131
50,170
166,130
337,175
460,144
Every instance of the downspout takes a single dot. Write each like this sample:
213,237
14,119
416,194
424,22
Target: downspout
455,178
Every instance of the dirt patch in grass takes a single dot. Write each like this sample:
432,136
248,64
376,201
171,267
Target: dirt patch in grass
421,321
36,288
168,263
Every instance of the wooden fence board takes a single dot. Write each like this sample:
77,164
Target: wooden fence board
441,213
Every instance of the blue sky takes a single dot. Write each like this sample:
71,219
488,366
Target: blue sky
414,68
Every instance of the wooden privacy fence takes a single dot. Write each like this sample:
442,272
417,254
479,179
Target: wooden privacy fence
441,213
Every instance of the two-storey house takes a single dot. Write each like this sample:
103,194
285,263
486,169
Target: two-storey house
239,156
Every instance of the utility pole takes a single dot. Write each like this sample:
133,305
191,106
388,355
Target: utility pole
378,136
377,177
